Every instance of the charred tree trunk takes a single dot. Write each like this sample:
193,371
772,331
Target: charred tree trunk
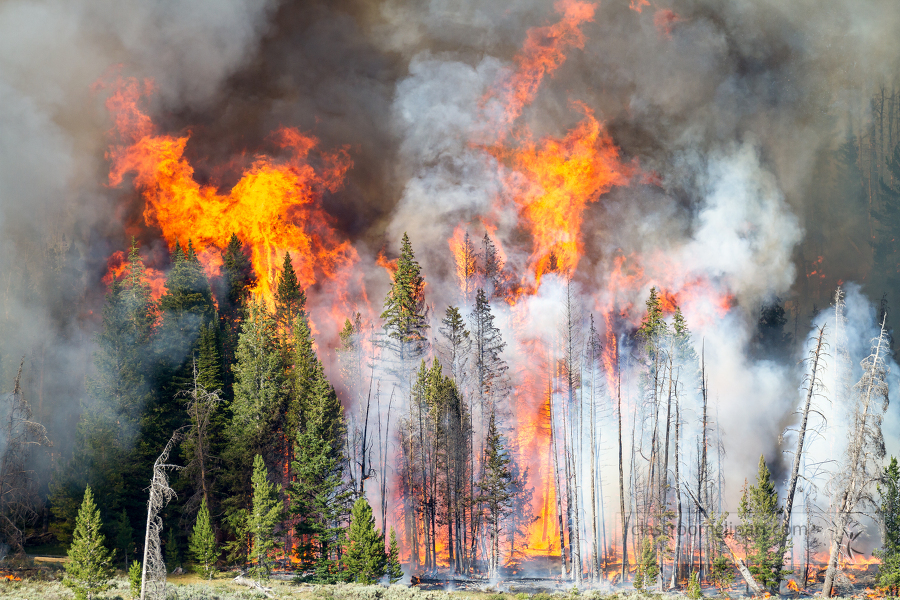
798,455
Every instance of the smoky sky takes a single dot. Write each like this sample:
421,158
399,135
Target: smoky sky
731,105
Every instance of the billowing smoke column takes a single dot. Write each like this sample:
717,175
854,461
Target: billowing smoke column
605,148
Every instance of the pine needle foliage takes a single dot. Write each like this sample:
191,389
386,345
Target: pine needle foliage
364,556
89,568
889,513
394,568
647,569
203,544
265,514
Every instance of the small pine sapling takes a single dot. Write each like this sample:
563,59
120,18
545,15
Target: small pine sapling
647,569
134,579
694,592
394,569
172,554
203,544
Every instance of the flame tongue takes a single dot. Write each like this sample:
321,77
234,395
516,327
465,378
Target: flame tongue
274,208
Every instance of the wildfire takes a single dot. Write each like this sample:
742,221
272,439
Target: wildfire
274,208
8,577
792,585
542,53
117,267
553,180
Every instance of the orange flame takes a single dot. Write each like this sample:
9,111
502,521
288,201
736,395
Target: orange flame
664,20
117,266
542,54
552,182
389,265
638,5
274,208
792,585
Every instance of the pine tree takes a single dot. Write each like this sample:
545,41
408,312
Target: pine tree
290,299
319,500
456,346
264,515
404,315
135,575
89,567
124,536
259,385
492,268
761,520
889,515
496,489
173,552
489,369
364,556
233,294
647,570
394,568
203,544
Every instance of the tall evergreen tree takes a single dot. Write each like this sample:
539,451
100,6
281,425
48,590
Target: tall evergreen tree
364,556
233,295
404,316
290,299
264,515
120,391
489,369
492,268
89,568
124,536
496,489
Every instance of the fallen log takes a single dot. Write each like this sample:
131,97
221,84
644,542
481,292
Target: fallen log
250,583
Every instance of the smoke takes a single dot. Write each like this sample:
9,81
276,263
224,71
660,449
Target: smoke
58,221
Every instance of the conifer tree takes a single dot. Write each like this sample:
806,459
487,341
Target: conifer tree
489,368
264,515
233,295
404,315
647,570
89,567
492,268
456,346
761,520
319,500
124,536
364,556
259,383
394,568
290,299
173,552
203,544
496,489
889,514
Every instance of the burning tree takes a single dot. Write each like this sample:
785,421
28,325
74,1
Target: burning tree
852,484
496,490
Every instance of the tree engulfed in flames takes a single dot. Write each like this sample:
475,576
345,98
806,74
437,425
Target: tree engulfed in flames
274,208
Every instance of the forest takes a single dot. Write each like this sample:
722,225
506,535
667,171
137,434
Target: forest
575,296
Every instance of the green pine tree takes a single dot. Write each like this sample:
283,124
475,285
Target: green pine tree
394,568
89,567
290,299
203,544
135,578
233,294
264,515
694,591
124,536
647,569
497,485
889,513
761,522
173,554
404,316
364,556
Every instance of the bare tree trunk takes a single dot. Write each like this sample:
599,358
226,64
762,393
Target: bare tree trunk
798,455
676,559
153,577
621,474
556,481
